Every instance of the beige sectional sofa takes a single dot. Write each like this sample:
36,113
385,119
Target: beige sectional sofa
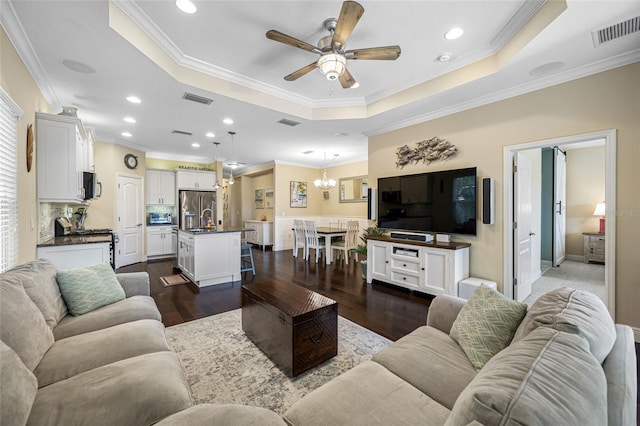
111,366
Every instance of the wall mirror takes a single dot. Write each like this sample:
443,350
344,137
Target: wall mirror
354,189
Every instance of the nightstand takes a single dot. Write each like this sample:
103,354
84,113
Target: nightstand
593,247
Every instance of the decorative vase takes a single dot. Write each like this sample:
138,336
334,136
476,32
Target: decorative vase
69,111
363,265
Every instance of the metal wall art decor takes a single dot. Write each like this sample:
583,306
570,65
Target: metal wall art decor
426,151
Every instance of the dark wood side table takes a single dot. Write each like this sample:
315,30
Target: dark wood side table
594,244
295,327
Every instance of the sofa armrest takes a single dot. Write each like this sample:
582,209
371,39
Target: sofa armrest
134,283
443,311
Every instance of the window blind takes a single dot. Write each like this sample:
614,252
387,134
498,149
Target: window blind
10,112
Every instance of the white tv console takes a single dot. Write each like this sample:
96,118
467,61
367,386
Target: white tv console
433,268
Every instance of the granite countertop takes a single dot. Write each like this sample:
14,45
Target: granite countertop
76,239
201,231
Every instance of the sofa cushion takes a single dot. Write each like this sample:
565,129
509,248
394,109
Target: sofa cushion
431,361
368,394
22,326
18,388
135,391
547,378
620,368
486,324
132,309
39,281
73,355
86,289
573,311
223,414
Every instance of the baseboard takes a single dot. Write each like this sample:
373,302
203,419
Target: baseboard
636,334
575,257
536,275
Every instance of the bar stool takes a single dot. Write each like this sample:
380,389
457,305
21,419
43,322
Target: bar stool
246,259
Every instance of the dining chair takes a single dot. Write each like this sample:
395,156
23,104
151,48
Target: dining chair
350,241
312,240
299,239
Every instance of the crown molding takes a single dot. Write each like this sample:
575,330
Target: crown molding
174,157
14,108
527,11
18,37
574,74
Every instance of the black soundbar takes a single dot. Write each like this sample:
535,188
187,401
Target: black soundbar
425,238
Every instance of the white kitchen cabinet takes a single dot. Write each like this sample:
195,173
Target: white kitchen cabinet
196,180
209,258
259,232
61,157
161,187
433,268
91,138
160,241
76,255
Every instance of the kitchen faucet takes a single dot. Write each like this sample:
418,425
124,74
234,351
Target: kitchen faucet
210,222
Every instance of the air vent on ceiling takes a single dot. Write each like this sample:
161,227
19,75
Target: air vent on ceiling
196,98
181,132
288,122
616,31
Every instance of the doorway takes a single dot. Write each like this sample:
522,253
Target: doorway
510,206
130,221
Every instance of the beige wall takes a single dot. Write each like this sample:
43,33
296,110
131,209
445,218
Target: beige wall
585,188
16,81
332,206
260,181
283,175
607,100
159,163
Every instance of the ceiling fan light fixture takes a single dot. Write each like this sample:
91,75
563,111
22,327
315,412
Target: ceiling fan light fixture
332,65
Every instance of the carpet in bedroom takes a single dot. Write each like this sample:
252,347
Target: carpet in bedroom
223,366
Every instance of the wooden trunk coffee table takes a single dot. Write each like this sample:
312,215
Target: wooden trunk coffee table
295,327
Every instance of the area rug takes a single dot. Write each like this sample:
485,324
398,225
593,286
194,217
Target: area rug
174,280
223,366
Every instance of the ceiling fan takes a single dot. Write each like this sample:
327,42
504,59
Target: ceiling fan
333,57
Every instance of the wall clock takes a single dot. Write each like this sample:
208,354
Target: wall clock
29,147
131,161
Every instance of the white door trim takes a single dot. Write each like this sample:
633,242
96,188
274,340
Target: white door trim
610,137
117,259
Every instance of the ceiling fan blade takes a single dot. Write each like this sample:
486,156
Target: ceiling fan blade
302,71
291,41
346,79
349,16
386,53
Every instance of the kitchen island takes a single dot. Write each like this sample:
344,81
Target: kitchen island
210,256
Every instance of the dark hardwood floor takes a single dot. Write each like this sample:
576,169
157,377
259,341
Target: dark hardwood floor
389,311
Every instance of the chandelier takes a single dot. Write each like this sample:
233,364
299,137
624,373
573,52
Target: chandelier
325,183
332,65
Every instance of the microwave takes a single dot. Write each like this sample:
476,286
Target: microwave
91,188
160,219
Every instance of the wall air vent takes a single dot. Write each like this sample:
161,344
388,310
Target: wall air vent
616,31
181,132
288,122
196,98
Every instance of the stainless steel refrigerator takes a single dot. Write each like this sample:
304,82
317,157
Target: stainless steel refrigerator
196,208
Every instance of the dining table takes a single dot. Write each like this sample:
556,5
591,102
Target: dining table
329,233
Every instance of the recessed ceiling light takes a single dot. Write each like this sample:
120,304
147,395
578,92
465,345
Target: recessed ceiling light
444,57
233,165
78,66
195,145
126,134
129,120
210,135
134,99
453,33
186,6
227,121
355,85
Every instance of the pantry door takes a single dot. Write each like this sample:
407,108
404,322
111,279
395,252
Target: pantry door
130,221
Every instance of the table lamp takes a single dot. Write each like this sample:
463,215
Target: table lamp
600,211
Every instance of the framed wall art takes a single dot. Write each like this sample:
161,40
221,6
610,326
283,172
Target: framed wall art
268,198
259,198
298,194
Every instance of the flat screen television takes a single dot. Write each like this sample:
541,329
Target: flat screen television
442,201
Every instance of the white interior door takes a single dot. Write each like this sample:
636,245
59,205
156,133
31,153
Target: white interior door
522,231
129,247
560,206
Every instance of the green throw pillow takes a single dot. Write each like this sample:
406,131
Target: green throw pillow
486,324
86,289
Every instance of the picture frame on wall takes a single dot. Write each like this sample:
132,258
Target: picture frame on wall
259,198
269,200
298,194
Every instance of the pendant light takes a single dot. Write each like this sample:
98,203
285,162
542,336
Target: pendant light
231,181
325,183
217,184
